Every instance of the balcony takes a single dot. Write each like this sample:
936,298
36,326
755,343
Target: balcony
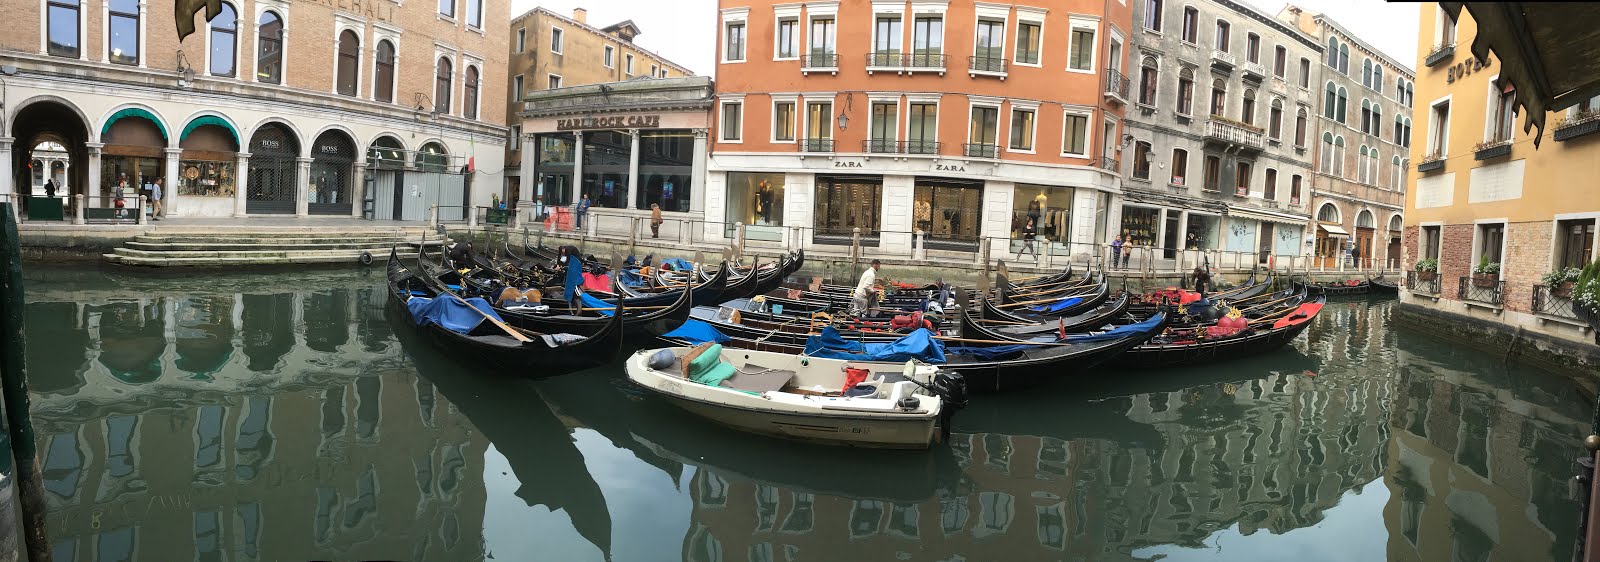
981,150
819,62
1439,53
886,62
1108,164
1491,149
1222,130
1416,283
1116,87
1223,61
890,146
987,66
1487,291
1253,71
926,62
1547,303
817,146
923,147
1581,124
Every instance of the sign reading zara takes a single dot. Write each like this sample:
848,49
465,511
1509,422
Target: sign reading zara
609,122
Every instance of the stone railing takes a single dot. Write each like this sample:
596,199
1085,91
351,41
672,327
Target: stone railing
1230,131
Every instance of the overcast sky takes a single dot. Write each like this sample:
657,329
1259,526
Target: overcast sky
684,31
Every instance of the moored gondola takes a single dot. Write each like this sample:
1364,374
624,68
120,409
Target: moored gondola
1381,285
1196,348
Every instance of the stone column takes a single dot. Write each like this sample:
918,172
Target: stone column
1183,240
633,168
577,170
358,191
170,186
528,180
93,189
302,187
5,169
241,181
697,173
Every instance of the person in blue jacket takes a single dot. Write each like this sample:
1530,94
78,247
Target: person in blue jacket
574,278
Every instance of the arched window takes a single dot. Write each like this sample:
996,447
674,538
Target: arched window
224,40
383,85
1366,72
1372,166
1410,95
1333,52
1396,224
1186,92
124,32
1328,213
1300,127
1330,100
1219,97
1343,98
1377,120
269,48
1400,90
1149,77
1366,116
1248,112
469,97
441,86
1275,120
1407,137
1344,59
1361,164
348,73
1338,156
1327,153
1364,220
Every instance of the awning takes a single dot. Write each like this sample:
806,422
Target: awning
133,112
1265,216
1334,230
209,120
1550,51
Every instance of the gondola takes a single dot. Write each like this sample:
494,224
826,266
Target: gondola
706,293
1382,286
1157,353
537,355
1336,288
1081,322
1063,306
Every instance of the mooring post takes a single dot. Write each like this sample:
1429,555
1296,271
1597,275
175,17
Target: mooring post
14,380
855,251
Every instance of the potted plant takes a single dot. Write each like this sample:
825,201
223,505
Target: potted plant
1427,269
1586,296
1486,273
1560,281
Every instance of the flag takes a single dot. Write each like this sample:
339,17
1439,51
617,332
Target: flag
186,9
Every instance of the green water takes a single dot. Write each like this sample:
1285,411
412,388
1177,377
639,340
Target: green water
283,417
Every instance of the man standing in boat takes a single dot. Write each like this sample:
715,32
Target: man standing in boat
860,299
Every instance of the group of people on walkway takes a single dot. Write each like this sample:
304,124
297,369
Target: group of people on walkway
580,212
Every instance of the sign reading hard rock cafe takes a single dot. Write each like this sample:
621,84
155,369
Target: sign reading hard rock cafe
609,122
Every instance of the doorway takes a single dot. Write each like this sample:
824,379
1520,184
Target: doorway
1266,242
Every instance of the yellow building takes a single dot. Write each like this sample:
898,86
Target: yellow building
1494,210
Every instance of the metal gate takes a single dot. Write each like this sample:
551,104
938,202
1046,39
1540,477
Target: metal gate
333,158
273,150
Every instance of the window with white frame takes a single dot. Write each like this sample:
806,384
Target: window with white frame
269,48
1275,120
1280,61
783,120
384,71
983,131
733,41
1224,32
1075,134
1300,127
732,123
1502,110
1186,92
515,140
123,31
1394,172
1191,25
886,39
1082,47
1152,15
475,13
447,8
1029,37
885,123
927,41
557,40
1327,153
1361,165
988,51
1149,81
555,81
1022,122
64,35
627,64
788,39
922,127
1247,111
522,39
609,58
1338,156
224,42
1305,73
819,126
1252,48
1439,128
654,69
821,42
517,87
1488,243
1366,72
663,73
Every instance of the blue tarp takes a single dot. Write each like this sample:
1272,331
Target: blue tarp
1057,306
631,278
450,313
919,345
1004,351
697,332
591,302
678,264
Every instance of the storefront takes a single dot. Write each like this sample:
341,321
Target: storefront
755,199
207,170
1140,225
133,156
1203,232
948,212
553,166
333,174
605,168
274,170
1332,241
845,203
666,162
1050,209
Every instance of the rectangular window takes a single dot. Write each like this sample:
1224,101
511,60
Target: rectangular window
475,13
1574,242
1447,29
516,87
1252,48
732,124
1148,80
885,122
447,8
819,126
1075,135
1185,95
1080,54
1213,173
1490,238
1439,129
654,69
556,40
555,81
927,41
983,131
1191,25
886,39
1141,160
1241,185
1275,122
734,40
516,137
823,36
1248,112
1180,166
844,204
1271,186
783,121
1222,35
1219,101
755,200
1294,189
1305,72
1022,129
610,57
1505,113
124,32
1028,42
922,133
1152,15
1430,242
788,38
522,39
989,49
1280,61
627,64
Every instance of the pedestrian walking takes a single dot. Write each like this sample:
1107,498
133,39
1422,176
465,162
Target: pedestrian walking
50,188
1116,251
1028,233
655,220
859,301
582,209
156,211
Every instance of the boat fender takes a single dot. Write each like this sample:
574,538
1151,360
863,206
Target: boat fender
909,403
366,258
662,360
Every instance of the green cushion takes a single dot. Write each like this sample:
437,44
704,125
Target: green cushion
714,377
705,361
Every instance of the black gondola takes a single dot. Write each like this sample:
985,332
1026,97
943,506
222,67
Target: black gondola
1163,354
1382,286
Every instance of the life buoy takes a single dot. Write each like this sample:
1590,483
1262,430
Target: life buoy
366,258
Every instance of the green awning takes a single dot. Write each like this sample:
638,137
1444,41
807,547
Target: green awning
134,112
209,120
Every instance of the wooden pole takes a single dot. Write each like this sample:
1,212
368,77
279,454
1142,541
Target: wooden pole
14,379
1063,297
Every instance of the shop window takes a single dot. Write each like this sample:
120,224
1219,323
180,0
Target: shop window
1203,232
666,162
1139,225
1574,242
207,165
65,37
224,40
553,168
1180,166
947,210
269,47
845,203
605,168
333,174
755,199
124,31
1050,208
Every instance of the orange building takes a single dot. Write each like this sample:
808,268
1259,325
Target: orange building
961,120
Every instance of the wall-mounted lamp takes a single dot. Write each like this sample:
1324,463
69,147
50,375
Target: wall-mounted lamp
849,103
185,71
1127,140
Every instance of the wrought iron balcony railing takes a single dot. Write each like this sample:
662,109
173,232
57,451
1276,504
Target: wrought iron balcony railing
817,61
1486,291
1546,302
925,61
816,145
888,146
1417,284
922,147
1108,164
992,65
981,150
1116,85
885,60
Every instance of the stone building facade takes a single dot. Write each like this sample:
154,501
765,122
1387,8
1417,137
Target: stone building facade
549,51
269,108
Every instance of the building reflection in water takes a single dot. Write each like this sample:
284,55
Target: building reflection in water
254,420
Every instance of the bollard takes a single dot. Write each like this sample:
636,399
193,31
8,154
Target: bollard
591,220
77,208
919,247
472,216
738,241
433,216
983,254
633,234
1042,259
855,251
139,211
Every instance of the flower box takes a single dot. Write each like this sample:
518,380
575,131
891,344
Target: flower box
1496,149
1430,165
1564,290
1577,127
1484,280
1427,275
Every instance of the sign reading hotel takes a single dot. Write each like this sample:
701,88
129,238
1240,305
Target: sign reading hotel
613,122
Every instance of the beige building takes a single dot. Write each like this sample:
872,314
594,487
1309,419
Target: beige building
548,51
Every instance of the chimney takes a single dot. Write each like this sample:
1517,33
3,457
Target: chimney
581,15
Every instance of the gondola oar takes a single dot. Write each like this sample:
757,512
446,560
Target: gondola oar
513,332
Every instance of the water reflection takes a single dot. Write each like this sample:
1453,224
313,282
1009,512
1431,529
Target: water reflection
280,416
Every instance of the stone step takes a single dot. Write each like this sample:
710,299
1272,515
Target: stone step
278,245
161,260
282,253
272,238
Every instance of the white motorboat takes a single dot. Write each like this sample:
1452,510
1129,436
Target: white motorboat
798,397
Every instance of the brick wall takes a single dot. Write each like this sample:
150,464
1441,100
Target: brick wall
1455,256
1527,258
1410,248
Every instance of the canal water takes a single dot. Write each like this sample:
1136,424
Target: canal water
285,417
